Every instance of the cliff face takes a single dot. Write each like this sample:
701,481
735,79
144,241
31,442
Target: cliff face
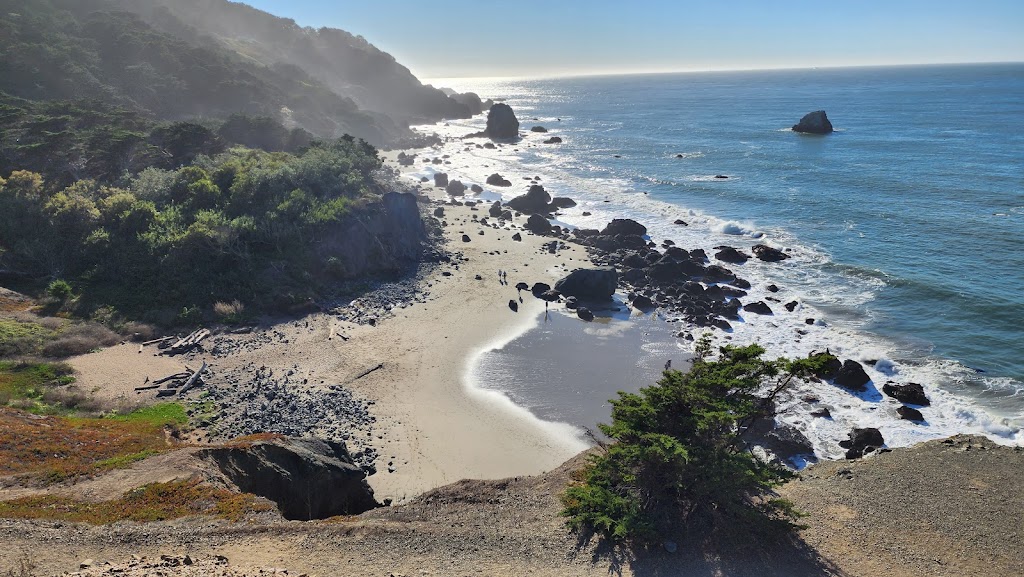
385,237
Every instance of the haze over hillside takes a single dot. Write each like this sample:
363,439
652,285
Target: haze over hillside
195,59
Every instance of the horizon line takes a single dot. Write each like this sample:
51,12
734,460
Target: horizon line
431,80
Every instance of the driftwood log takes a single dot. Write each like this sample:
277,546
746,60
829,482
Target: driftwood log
187,343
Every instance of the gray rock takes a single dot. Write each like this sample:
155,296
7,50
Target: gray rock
584,314
910,393
852,376
589,284
814,123
502,122
534,201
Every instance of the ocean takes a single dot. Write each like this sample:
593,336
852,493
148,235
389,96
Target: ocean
906,225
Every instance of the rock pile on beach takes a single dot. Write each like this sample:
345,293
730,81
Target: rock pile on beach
676,279
261,399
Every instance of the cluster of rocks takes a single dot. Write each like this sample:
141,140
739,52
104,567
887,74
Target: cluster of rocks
176,566
253,399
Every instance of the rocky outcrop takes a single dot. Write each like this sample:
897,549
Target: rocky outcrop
562,202
455,188
470,100
910,393
731,255
497,180
553,140
589,284
307,478
584,314
502,123
440,179
758,308
862,442
814,123
539,129
910,414
624,226
852,376
537,224
534,201
769,254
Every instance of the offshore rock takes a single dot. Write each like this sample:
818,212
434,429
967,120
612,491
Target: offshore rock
814,123
502,123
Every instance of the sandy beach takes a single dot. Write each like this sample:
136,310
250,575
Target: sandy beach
433,424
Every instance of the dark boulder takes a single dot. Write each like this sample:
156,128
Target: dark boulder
861,442
642,302
440,179
624,226
502,122
909,414
731,255
517,237
715,273
910,393
537,224
585,314
465,238
830,365
814,123
439,212
553,140
540,129
539,288
758,308
550,295
562,202
455,188
495,210
572,303
497,180
791,306
476,188
534,201
306,478
589,284
852,376
769,254
786,442
513,305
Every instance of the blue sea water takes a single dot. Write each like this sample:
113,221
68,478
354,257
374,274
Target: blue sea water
907,223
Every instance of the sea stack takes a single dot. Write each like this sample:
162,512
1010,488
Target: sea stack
502,123
812,123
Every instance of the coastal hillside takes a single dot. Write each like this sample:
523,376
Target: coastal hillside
175,61
344,62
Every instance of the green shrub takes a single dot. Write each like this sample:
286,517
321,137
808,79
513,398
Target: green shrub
678,453
60,290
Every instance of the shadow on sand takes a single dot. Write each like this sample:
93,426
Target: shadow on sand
741,553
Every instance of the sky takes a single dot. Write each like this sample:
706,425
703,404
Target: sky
489,38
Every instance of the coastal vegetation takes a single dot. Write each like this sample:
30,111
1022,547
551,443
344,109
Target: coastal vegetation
678,455
237,226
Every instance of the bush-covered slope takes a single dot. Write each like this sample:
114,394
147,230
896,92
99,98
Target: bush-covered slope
90,49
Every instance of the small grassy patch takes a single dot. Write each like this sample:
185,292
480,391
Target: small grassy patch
161,415
29,382
19,337
156,502
51,449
